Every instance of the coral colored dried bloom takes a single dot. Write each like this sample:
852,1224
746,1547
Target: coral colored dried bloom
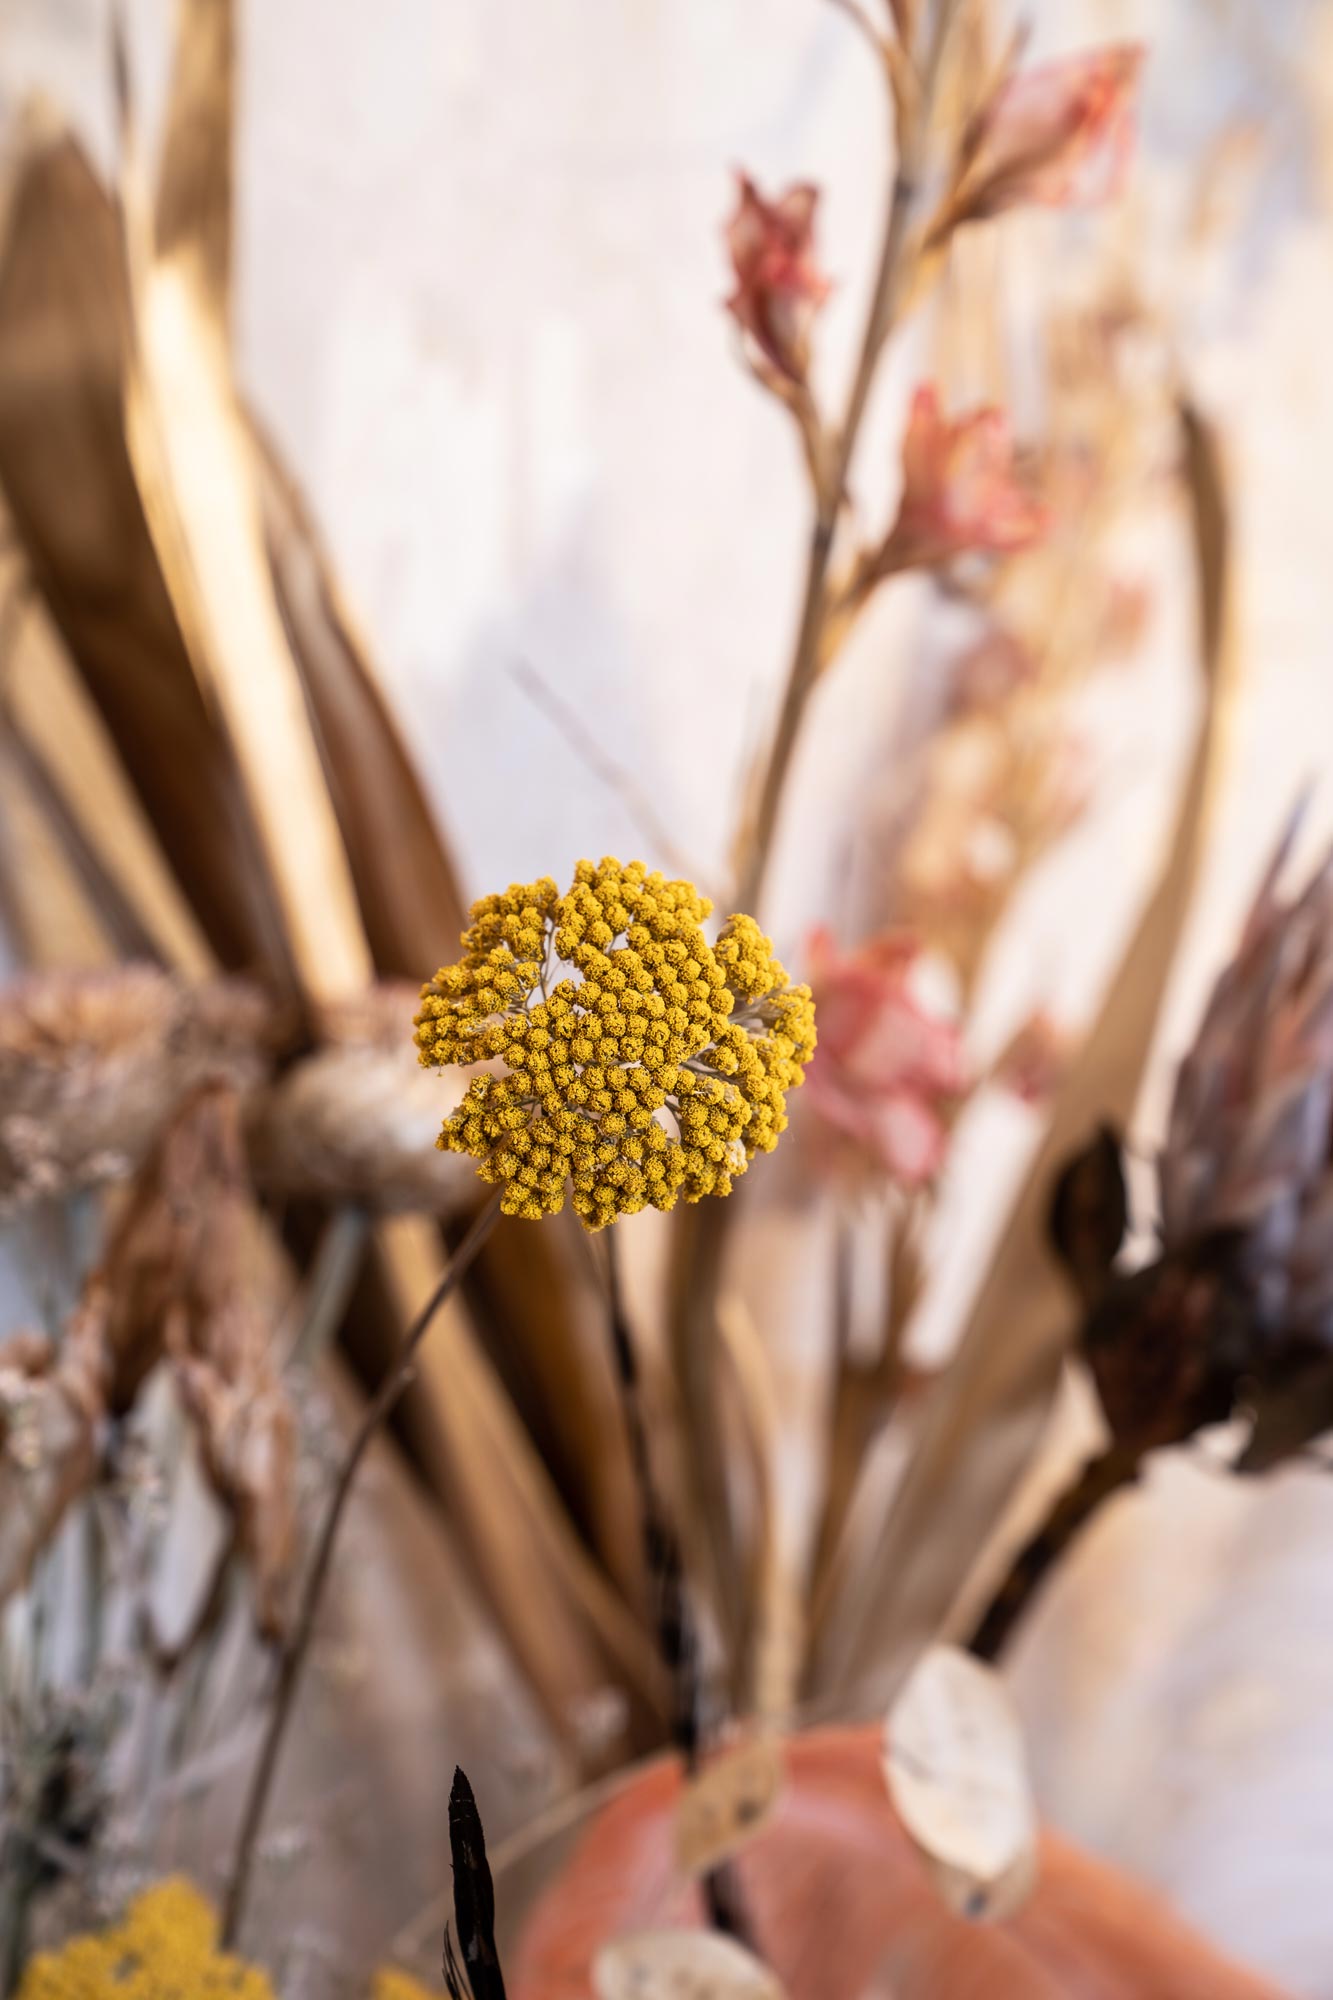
888,1068
1060,135
779,285
959,489
639,1063
165,1948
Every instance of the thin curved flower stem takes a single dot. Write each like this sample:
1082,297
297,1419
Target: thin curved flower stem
666,1583
892,281
297,1645
699,1264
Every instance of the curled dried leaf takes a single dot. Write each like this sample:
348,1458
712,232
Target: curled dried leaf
176,1278
52,1401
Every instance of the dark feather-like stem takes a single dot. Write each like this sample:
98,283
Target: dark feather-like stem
1101,1477
474,1895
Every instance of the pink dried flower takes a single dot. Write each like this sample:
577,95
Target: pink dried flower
779,285
1060,135
1032,1064
992,669
888,1065
959,489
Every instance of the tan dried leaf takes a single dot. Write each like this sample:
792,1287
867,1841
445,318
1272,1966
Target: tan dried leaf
177,1275
728,1803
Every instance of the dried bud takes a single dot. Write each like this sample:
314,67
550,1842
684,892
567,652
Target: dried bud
1033,1061
1239,1307
779,285
357,1120
960,492
1059,135
889,1065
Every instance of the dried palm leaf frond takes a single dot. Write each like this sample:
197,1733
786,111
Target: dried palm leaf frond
65,469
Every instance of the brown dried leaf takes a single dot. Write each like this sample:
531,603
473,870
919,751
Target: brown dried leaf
195,470
177,1272
983,1422
568,1629
408,891
52,1401
76,510
194,187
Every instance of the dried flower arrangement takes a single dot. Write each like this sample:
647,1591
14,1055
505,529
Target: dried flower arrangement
227,1136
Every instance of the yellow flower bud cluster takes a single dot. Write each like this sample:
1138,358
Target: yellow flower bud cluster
631,1061
165,1949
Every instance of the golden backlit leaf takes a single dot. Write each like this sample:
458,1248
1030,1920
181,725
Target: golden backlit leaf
78,517
196,174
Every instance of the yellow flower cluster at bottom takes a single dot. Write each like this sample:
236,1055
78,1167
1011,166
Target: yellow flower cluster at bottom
165,1948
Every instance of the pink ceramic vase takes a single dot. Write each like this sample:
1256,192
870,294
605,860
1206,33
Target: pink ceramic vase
843,1909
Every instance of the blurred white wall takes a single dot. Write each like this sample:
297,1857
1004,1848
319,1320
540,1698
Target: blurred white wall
480,275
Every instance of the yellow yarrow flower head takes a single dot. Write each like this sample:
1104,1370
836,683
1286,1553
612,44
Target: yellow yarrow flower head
164,1949
632,1062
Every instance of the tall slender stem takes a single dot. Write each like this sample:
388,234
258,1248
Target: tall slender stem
703,1231
886,298
675,1628
297,1646
1108,1473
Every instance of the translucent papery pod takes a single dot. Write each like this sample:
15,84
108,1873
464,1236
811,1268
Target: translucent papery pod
681,1965
956,1769
984,1419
